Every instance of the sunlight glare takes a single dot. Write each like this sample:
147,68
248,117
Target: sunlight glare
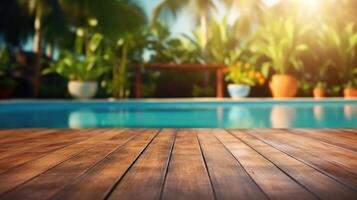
312,5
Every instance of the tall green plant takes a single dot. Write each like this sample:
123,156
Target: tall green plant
281,41
127,51
224,47
341,50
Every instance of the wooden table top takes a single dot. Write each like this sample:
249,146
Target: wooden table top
178,164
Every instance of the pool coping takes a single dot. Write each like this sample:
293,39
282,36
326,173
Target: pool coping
183,100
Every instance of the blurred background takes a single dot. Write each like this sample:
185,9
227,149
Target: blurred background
44,44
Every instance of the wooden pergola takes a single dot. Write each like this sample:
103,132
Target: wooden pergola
217,68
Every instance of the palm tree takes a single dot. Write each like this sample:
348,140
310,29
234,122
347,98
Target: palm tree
201,8
248,10
39,9
250,13
115,18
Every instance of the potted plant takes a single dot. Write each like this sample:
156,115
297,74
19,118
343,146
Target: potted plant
81,68
350,90
280,41
319,90
241,77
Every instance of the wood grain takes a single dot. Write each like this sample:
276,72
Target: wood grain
187,177
178,164
338,139
52,181
98,182
24,151
318,183
148,173
275,183
229,179
337,162
23,173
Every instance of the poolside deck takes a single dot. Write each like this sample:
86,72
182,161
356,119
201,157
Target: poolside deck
178,164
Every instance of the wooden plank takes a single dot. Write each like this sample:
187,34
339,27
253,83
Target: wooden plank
324,157
343,132
12,148
333,138
187,177
98,182
12,136
21,153
350,130
229,179
23,173
52,181
33,137
275,183
344,158
321,185
145,178
5,133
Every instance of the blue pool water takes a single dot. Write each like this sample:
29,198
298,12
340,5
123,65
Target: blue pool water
210,114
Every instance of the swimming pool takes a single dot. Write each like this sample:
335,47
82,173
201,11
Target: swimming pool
258,113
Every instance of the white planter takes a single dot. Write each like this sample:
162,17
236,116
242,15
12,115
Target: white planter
82,90
238,91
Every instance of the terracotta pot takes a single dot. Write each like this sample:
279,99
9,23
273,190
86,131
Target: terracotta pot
319,93
283,86
350,92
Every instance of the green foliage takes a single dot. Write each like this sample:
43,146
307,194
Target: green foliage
198,91
86,64
244,73
280,40
166,49
115,18
6,81
223,46
340,45
128,50
4,60
200,8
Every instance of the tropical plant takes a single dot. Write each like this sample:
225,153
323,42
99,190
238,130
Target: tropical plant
245,74
341,50
109,15
224,45
281,42
201,8
4,60
127,51
6,81
179,50
85,64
